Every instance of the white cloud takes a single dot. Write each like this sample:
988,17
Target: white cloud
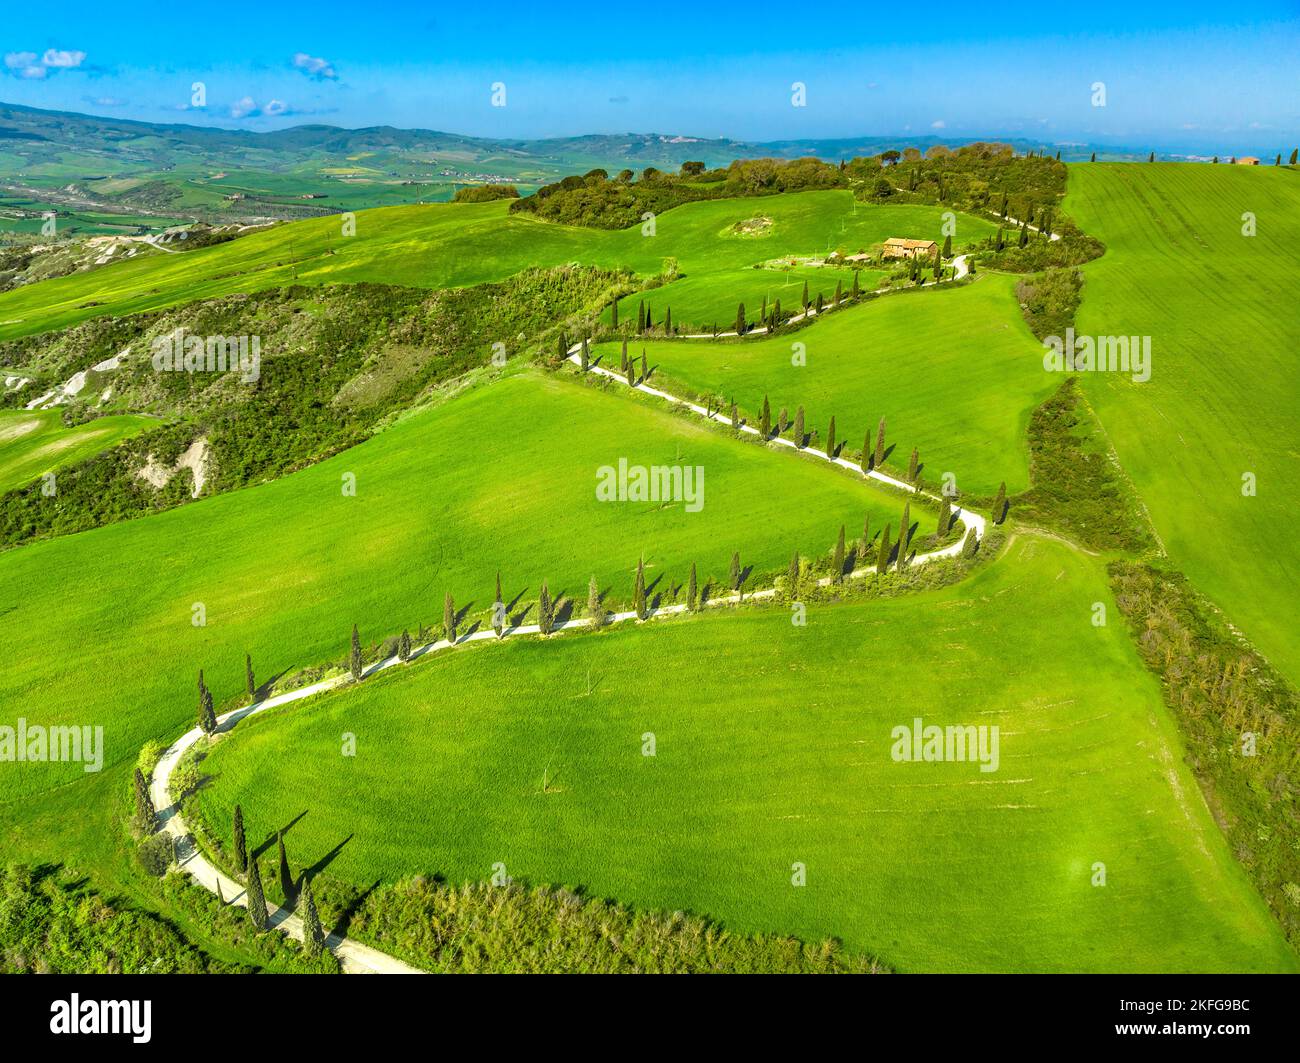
64,60
275,107
315,67
938,123
244,108
30,66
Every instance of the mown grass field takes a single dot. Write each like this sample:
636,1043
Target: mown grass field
98,625
1224,322
773,747
35,442
452,245
956,373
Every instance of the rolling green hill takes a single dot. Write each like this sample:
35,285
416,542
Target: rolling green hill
1224,323
773,748
36,442
955,372
453,245
501,479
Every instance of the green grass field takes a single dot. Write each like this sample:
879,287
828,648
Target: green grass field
1224,323
710,297
773,747
35,442
955,373
451,245
502,478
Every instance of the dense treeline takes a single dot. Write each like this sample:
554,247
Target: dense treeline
1077,488
598,201
485,193
1050,300
1240,721
334,362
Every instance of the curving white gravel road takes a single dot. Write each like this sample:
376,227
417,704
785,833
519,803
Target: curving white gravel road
354,957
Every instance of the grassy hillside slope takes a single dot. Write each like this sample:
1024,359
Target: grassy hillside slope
956,374
36,442
451,245
502,478
773,747
1224,323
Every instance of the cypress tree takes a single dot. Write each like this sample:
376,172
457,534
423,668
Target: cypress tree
1000,504
798,427
837,558
286,876
1294,153
792,576
638,593
249,682
145,815
1001,241
857,290
640,316
1003,212
880,443
313,934
945,517
586,354
866,534
645,367
805,297
913,467
765,426
692,591
735,416
839,292
623,360
404,646
1151,157
882,557
969,545
776,315
668,321
1094,157
740,319
904,535
561,347
763,315
498,610
449,618
866,452
783,421
830,439
735,571
241,847
545,613
631,375
821,302
256,898
207,715
947,247
594,609
1024,235
614,313
354,655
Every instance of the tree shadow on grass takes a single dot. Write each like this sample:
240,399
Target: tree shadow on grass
270,838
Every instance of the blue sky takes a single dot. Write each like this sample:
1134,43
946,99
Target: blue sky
1218,77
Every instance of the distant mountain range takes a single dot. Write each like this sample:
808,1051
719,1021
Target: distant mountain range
82,165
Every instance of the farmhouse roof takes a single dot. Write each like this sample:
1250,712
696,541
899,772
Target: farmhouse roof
911,245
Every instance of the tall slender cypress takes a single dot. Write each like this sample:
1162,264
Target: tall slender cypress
798,427
146,817
249,682
313,934
354,655
692,591
880,443
1000,504
830,439
595,610
639,590
735,570
765,425
837,558
545,611
904,535
256,898
792,577
449,618
882,556
241,846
